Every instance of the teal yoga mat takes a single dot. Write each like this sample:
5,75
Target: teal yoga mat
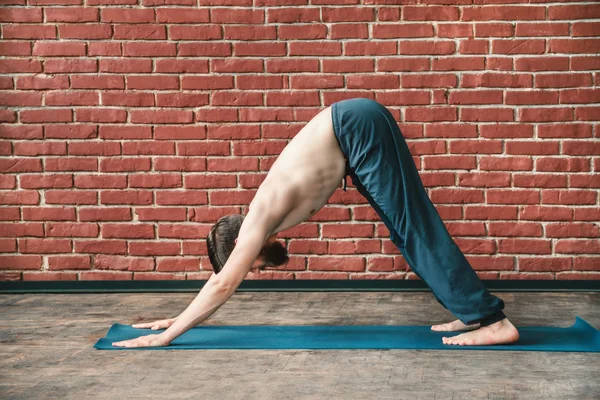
581,337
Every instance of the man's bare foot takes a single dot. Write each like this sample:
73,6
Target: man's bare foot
501,332
454,327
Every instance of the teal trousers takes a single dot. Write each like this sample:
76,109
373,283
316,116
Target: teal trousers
383,171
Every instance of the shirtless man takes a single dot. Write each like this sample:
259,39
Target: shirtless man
360,138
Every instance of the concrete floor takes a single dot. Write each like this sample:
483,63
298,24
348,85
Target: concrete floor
46,351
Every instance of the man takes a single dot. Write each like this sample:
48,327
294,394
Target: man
360,138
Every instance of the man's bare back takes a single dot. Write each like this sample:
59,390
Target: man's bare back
305,174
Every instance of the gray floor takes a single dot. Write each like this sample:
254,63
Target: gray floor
46,351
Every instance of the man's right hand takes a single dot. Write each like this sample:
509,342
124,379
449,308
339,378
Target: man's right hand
160,324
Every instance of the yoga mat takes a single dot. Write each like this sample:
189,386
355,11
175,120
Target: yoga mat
581,337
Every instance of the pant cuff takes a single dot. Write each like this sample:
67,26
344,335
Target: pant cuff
492,319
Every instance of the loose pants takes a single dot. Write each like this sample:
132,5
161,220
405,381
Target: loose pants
383,171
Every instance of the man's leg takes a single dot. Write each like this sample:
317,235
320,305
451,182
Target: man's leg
389,177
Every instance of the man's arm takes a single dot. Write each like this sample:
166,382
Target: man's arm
219,288
255,230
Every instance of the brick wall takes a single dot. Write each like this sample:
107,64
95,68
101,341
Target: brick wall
129,127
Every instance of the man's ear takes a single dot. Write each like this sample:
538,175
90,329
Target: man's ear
235,241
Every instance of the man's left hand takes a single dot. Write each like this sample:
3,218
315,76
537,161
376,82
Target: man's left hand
157,340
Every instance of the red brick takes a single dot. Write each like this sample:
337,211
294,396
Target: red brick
578,246
49,214
569,197
494,29
486,114
155,180
292,65
161,214
402,64
586,214
20,262
426,47
387,31
193,164
327,81
10,276
104,214
126,197
44,245
542,29
586,29
233,16
428,81
545,114
361,48
579,63
294,32
154,248
556,164
565,131
577,46
525,246
547,63
531,97
127,231
577,275
587,113
341,31
450,130
515,229
9,214
178,265
573,230
513,196
458,196
121,263
585,263
431,114
103,246
491,212
304,246
124,164
518,46
105,276
321,263
454,30
539,180
57,263
573,11
473,46
100,181
181,231
71,229
577,147
563,80
580,96
545,213
211,214
494,79
189,197
544,264
509,13
486,179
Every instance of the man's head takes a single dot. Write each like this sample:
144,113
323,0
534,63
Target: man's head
222,238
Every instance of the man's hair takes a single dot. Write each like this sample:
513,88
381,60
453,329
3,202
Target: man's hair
220,243
221,239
